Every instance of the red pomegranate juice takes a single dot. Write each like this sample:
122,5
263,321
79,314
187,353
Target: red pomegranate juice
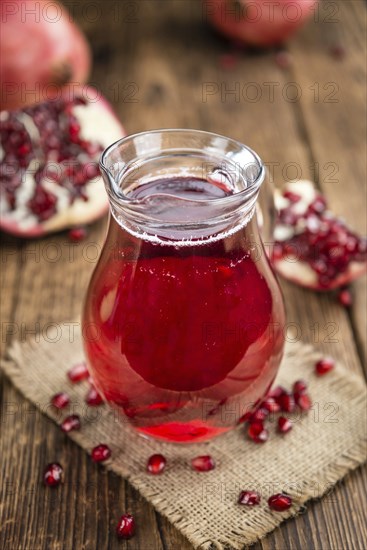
183,339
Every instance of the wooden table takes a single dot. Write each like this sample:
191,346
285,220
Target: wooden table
158,62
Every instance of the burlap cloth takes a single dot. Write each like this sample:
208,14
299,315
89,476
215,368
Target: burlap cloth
322,447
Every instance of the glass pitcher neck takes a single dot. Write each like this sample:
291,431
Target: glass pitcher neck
145,174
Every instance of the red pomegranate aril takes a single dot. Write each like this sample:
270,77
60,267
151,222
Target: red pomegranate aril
280,502
203,463
345,298
156,464
249,498
125,528
78,372
303,401
93,398
259,415
257,433
71,423
271,405
284,425
324,366
286,402
276,392
60,400
53,475
78,234
299,386
100,453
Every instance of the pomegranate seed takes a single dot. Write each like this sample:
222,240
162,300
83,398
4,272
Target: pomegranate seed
303,401
60,400
280,502
93,398
284,425
71,423
324,366
245,417
203,463
271,405
53,475
126,527
286,402
293,197
100,453
283,59
257,432
276,392
345,298
259,415
228,61
337,51
156,464
249,498
78,372
77,234
300,386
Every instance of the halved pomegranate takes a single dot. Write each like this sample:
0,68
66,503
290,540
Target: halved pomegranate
259,22
49,175
43,52
314,248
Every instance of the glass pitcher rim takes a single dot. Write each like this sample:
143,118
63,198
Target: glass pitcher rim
242,194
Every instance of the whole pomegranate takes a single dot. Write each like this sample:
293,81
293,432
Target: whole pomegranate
49,152
258,22
42,52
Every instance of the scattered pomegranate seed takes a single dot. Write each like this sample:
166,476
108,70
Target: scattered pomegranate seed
228,61
324,366
100,453
249,498
303,401
93,398
280,502
300,386
277,392
245,417
126,527
53,475
271,405
345,297
156,464
203,463
259,415
283,59
257,432
71,423
77,234
284,425
338,52
60,400
78,372
286,402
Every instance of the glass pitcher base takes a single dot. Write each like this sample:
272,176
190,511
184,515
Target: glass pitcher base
182,432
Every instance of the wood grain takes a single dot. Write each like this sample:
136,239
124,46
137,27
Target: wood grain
154,60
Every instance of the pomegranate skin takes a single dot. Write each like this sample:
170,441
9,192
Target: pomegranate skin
258,23
43,52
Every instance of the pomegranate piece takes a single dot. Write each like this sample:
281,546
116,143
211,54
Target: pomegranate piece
93,398
53,474
100,453
338,52
49,175
156,464
71,423
283,59
203,463
78,234
280,502
249,498
284,425
303,401
228,61
78,373
299,387
271,405
324,366
254,23
312,247
259,415
60,400
257,433
125,528
345,297
286,402
276,392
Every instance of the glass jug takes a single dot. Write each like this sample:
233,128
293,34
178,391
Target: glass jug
183,319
